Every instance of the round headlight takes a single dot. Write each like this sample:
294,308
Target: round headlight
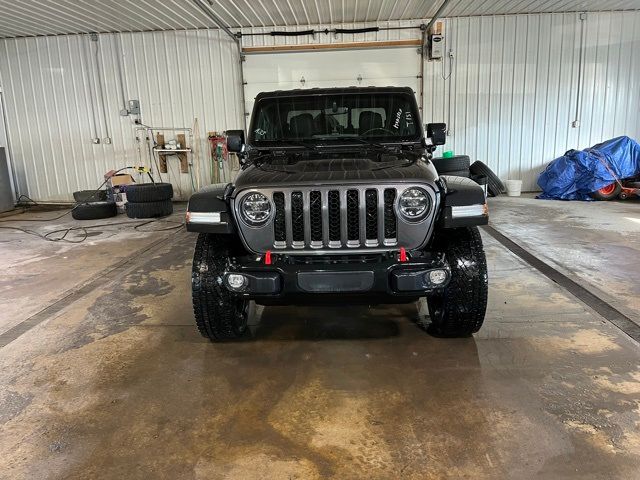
255,208
414,203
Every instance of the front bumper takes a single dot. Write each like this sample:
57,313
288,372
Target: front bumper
382,279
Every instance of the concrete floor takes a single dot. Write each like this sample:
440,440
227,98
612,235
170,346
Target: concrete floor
113,381
595,244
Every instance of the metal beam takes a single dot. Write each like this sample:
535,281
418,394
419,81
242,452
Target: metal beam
437,15
206,8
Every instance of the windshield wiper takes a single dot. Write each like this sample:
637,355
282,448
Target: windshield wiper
378,146
305,144
405,163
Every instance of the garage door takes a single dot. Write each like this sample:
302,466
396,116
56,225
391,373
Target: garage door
378,67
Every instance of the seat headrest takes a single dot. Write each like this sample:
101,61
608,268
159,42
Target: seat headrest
369,120
301,125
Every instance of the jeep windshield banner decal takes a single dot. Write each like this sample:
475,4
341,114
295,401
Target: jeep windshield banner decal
396,124
408,119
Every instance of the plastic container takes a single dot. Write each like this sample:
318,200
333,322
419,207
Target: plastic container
447,154
514,187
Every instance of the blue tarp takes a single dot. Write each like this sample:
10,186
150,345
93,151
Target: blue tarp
577,173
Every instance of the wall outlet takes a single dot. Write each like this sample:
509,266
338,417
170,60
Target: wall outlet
575,124
106,140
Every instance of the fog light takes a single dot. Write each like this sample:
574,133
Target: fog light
236,282
437,277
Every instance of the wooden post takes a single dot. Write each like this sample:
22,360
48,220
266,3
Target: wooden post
183,156
161,155
215,171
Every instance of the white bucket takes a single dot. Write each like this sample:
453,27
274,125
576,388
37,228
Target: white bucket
513,187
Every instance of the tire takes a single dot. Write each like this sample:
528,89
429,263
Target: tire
90,196
220,316
149,209
458,173
94,210
459,309
494,185
452,164
149,192
608,192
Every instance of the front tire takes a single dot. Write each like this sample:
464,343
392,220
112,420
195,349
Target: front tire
219,315
459,309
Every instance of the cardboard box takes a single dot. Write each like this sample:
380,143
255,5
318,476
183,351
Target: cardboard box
116,186
120,179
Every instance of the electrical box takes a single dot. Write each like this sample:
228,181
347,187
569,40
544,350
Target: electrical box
436,42
134,107
436,47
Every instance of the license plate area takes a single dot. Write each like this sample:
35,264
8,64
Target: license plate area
335,282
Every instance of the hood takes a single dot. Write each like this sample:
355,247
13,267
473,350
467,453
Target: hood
337,171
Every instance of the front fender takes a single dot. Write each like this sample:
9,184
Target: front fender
464,204
208,210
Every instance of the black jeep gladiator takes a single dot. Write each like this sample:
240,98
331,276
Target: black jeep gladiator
337,201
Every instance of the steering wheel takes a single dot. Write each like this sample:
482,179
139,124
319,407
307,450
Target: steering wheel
385,130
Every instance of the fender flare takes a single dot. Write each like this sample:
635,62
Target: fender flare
208,210
464,204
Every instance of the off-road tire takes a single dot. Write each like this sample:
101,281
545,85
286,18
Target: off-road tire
94,210
608,192
494,185
459,310
149,192
457,163
90,196
149,209
219,314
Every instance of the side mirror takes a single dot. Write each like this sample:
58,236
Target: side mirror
235,140
437,132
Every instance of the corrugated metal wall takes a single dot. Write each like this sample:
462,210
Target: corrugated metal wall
514,87
510,99
50,84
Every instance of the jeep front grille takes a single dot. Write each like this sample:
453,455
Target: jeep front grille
326,218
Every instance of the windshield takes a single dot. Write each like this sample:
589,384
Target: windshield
376,117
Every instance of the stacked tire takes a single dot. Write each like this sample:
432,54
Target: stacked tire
92,205
149,200
456,166
94,210
85,196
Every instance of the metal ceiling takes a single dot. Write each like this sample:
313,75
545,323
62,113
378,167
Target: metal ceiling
52,17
